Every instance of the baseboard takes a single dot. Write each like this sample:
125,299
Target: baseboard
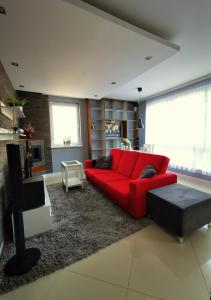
1,247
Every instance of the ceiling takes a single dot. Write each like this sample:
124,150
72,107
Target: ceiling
184,22
69,48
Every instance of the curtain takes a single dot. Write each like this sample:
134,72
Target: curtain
179,126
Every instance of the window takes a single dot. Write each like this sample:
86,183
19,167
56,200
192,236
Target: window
65,124
180,127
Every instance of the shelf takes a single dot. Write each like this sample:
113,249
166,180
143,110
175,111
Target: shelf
11,111
98,129
110,109
113,138
96,108
6,134
97,139
100,149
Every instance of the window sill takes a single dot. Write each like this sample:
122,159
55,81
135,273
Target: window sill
64,147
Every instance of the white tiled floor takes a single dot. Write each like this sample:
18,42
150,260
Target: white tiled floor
147,265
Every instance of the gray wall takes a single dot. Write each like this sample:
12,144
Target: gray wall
6,90
71,153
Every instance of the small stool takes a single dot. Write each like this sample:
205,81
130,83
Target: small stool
72,173
179,209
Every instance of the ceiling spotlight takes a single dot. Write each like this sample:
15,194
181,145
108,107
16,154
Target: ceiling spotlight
139,89
148,57
113,82
2,10
14,64
21,86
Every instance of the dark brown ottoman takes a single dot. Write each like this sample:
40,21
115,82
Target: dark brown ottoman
179,209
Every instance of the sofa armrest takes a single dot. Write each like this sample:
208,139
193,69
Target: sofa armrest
88,163
139,188
153,182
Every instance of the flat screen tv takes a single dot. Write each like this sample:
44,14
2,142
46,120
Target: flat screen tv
113,128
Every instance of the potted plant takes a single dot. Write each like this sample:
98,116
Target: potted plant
13,101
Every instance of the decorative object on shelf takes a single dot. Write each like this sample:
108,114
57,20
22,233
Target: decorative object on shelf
67,141
28,129
140,123
135,109
28,163
13,101
113,128
126,144
136,143
93,126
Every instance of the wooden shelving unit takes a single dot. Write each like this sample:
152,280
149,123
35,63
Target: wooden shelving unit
101,111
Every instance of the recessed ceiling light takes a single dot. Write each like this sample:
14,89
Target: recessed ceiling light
2,10
14,64
148,57
113,82
21,86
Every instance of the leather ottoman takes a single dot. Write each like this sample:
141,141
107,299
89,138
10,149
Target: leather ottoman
179,209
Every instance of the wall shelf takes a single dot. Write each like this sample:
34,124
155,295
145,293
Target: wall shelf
6,134
11,112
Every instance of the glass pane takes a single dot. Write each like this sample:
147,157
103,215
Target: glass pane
65,124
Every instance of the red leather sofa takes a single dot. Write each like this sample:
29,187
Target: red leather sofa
123,185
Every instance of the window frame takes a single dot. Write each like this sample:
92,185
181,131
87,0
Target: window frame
62,103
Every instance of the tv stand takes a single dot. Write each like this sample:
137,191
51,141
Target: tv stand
38,220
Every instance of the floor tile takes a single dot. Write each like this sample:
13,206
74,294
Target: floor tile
201,238
204,259
137,296
111,264
156,233
33,291
78,287
167,270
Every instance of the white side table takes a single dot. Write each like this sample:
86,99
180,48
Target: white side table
72,173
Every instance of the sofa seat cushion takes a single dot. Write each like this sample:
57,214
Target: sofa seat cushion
159,163
101,179
116,156
91,172
119,191
127,163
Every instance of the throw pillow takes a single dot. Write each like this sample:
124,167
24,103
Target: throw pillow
148,172
104,162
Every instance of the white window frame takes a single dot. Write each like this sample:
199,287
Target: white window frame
51,103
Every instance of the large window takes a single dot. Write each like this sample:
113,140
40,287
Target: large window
180,127
65,124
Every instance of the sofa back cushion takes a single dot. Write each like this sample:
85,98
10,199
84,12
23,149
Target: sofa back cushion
116,155
127,162
159,162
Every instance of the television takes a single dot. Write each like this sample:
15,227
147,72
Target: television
113,128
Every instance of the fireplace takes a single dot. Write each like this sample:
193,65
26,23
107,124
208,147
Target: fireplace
38,157
36,153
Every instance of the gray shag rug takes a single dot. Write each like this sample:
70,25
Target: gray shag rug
84,221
